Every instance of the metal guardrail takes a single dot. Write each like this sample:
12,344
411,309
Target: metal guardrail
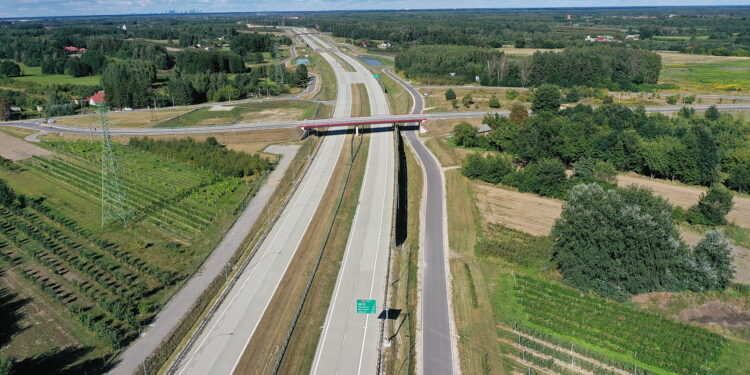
185,349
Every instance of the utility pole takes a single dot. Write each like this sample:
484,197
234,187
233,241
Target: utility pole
113,199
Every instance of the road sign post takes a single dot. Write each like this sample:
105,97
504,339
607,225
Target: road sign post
366,306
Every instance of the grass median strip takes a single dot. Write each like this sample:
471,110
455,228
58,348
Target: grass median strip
325,73
360,100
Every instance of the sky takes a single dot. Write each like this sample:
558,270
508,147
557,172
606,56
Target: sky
37,8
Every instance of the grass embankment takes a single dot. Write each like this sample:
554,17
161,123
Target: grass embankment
325,75
304,339
401,356
271,111
399,99
360,100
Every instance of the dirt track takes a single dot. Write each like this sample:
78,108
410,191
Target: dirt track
15,149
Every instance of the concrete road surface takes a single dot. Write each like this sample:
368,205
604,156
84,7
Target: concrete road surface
438,351
349,341
219,347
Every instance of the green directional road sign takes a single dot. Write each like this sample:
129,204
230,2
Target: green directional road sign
376,76
366,306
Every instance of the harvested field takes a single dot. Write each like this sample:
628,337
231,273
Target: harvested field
717,312
528,213
137,119
686,196
16,149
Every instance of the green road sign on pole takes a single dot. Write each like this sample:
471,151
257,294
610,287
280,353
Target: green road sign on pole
376,76
366,306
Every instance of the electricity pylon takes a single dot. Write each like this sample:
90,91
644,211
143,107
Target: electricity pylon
279,76
113,199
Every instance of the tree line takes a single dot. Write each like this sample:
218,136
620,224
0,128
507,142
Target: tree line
593,66
209,154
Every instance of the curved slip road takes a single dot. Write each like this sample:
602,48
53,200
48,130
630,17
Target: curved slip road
438,351
218,348
349,342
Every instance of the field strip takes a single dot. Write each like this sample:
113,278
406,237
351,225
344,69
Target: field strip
16,149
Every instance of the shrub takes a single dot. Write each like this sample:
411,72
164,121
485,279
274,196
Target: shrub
450,94
546,99
490,169
494,103
511,94
712,207
467,100
546,178
9,69
465,135
518,113
672,100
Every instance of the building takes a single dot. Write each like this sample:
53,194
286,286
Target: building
97,99
483,129
601,38
633,37
73,49
384,45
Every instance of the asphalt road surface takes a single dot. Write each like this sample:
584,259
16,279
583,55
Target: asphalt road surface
219,347
436,354
349,342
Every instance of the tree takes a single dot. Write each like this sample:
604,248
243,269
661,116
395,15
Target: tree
525,64
518,113
546,177
128,83
546,99
4,109
494,102
589,170
572,95
713,207
467,100
739,178
465,135
77,68
9,69
302,73
712,113
95,60
6,365
181,91
618,242
713,256
450,94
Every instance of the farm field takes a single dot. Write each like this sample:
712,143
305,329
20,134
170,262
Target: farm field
722,76
542,325
100,283
34,74
271,111
15,149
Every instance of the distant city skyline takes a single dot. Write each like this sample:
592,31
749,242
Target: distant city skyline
43,8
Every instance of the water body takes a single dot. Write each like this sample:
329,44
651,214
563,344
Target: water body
372,62
302,61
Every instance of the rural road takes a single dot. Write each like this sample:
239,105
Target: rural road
131,360
336,121
350,341
218,348
438,352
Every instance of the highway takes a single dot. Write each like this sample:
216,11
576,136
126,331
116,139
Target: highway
218,348
437,347
349,342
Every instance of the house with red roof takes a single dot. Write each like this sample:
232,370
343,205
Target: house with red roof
71,49
97,99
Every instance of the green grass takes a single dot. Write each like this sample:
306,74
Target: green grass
296,110
34,74
731,75
325,73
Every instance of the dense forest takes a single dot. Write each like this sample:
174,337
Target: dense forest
593,66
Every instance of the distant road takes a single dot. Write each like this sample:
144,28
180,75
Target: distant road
438,352
343,121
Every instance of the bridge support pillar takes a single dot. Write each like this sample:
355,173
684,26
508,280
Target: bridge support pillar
356,130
